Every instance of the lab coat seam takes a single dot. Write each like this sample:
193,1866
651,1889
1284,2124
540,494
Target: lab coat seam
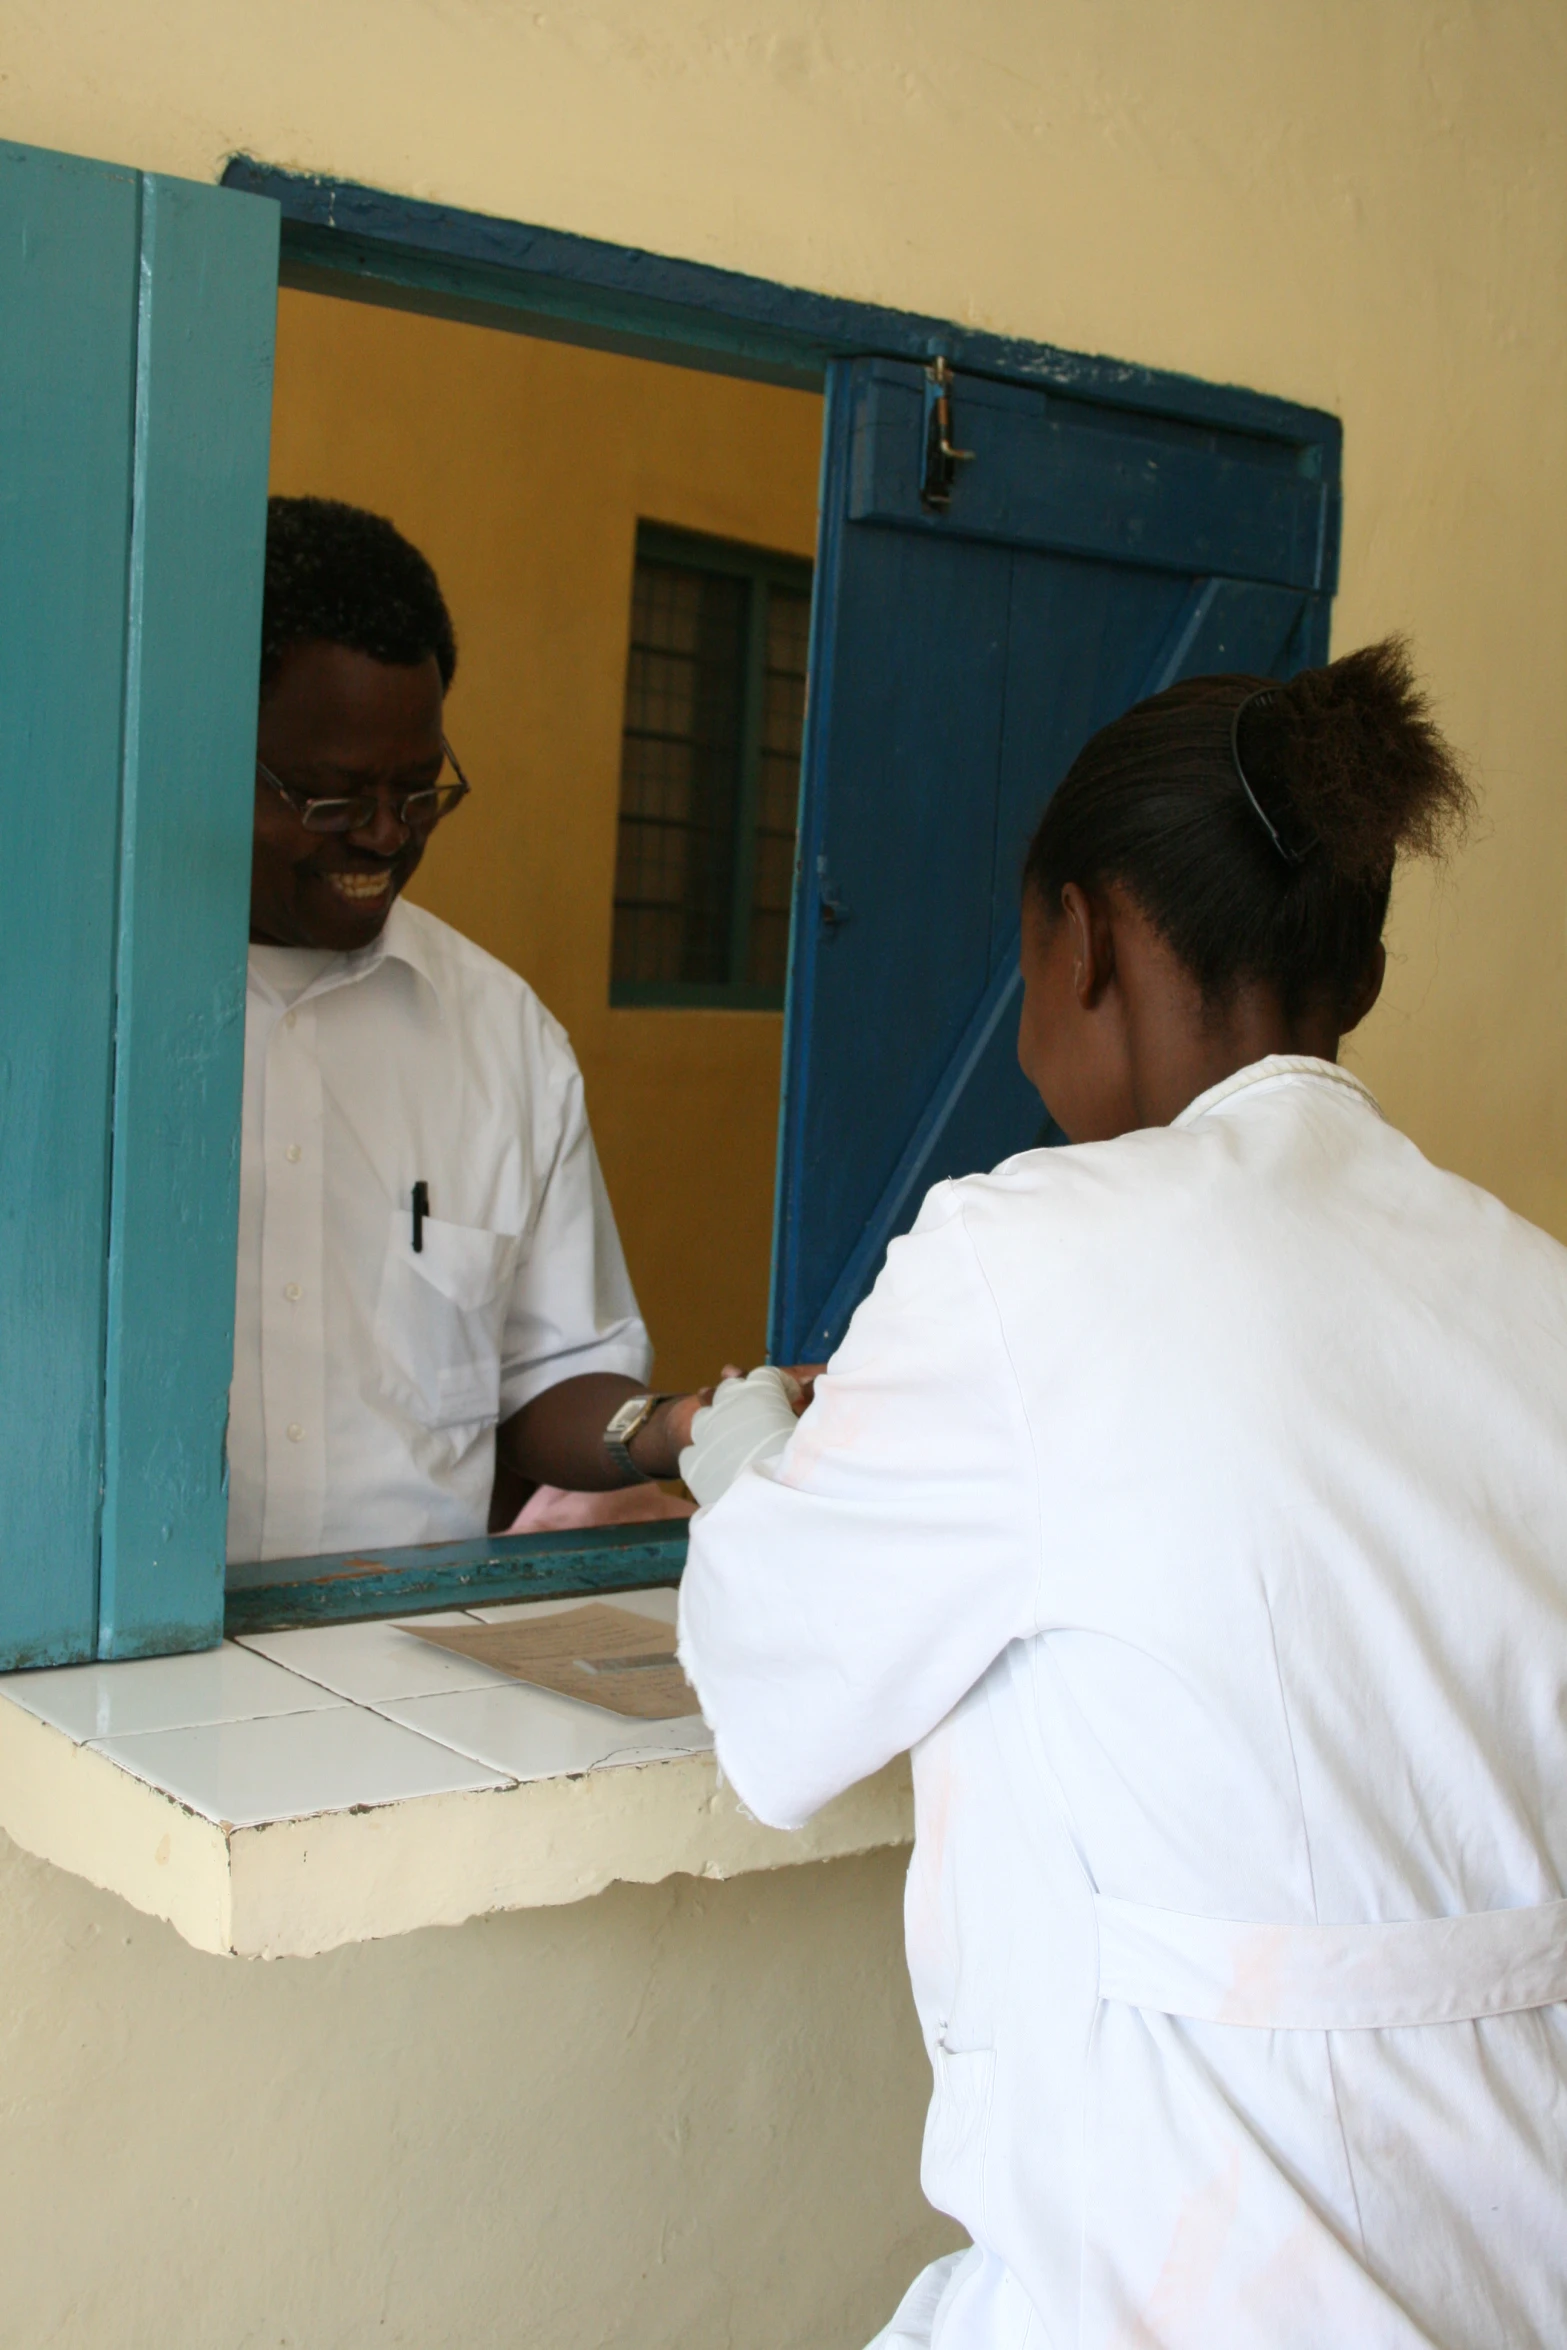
1084,2175
1343,2139
1316,1909
1289,1741
1023,1414
1055,1796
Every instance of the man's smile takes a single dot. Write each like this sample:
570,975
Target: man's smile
362,889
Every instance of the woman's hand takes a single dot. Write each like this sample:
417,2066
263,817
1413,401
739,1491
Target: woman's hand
657,1446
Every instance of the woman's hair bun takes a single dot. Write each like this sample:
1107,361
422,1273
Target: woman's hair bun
1353,750
1257,823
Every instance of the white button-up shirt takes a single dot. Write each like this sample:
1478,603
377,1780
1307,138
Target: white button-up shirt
368,1377
1195,1506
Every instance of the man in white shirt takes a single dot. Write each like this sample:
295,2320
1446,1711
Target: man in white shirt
432,1312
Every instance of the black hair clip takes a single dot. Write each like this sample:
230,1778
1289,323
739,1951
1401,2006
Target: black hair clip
1293,852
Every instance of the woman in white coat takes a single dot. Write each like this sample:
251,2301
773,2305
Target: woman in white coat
1193,1502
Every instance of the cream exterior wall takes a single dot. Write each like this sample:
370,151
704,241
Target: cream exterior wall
698,2123
1355,203
683,2117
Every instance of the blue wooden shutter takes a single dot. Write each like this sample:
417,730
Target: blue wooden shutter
136,326
960,657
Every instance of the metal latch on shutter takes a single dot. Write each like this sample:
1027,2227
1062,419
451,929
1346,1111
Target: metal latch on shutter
941,458
834,912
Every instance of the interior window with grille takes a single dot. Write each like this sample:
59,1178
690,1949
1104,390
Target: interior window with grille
710,773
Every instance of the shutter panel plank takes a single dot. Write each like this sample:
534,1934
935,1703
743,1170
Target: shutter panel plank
136,320
1051,471
68,234
1235,624
1084,643
204,396
888,959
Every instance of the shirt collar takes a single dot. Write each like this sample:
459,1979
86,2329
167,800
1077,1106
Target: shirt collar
1277,1069
402,938
398,940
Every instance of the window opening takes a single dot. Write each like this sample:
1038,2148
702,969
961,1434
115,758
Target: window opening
538,570
710,773
1032,563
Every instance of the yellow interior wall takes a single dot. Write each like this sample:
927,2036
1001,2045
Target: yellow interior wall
521,468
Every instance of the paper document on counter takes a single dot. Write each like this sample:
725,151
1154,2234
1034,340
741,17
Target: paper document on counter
606,1656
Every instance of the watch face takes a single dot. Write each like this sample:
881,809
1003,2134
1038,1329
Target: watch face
626,1418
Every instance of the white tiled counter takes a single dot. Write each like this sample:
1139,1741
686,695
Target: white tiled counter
297,1790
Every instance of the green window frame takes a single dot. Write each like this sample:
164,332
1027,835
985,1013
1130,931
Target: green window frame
736,755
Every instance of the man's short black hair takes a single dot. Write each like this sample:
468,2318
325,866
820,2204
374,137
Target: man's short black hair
338,575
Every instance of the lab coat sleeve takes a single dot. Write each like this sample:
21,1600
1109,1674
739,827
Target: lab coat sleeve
836,1607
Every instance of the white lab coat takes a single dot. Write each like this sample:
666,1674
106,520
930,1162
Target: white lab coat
1195,1506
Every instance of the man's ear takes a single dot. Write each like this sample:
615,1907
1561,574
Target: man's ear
1092,937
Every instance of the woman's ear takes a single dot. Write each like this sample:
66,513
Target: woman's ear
1370,989
1093,944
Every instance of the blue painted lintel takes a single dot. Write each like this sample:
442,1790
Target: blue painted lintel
720,317
282,1594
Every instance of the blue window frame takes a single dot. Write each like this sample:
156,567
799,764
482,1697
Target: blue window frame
136,321
1116,528
710,773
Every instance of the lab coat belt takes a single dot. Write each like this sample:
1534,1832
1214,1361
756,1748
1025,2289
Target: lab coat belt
1314,1978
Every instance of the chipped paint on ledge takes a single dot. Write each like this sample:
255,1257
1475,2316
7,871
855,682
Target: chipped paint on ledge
294,1888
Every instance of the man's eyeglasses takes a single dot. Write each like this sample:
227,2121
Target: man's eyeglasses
416,811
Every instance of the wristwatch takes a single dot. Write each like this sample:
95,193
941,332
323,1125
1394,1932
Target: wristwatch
633,1414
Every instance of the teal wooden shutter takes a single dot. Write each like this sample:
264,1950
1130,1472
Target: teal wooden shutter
136,327
961,655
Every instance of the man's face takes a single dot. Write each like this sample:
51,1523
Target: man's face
336,723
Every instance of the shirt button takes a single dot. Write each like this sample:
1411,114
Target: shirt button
293,1292
290,1020
295,1434
292,1154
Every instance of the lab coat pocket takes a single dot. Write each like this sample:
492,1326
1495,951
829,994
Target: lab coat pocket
440,1319
952,2164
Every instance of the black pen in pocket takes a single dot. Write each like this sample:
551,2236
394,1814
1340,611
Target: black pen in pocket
421,1210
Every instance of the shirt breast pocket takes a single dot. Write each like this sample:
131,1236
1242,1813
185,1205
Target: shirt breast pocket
440,1320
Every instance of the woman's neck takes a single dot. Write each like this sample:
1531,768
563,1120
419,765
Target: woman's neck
1180,1046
